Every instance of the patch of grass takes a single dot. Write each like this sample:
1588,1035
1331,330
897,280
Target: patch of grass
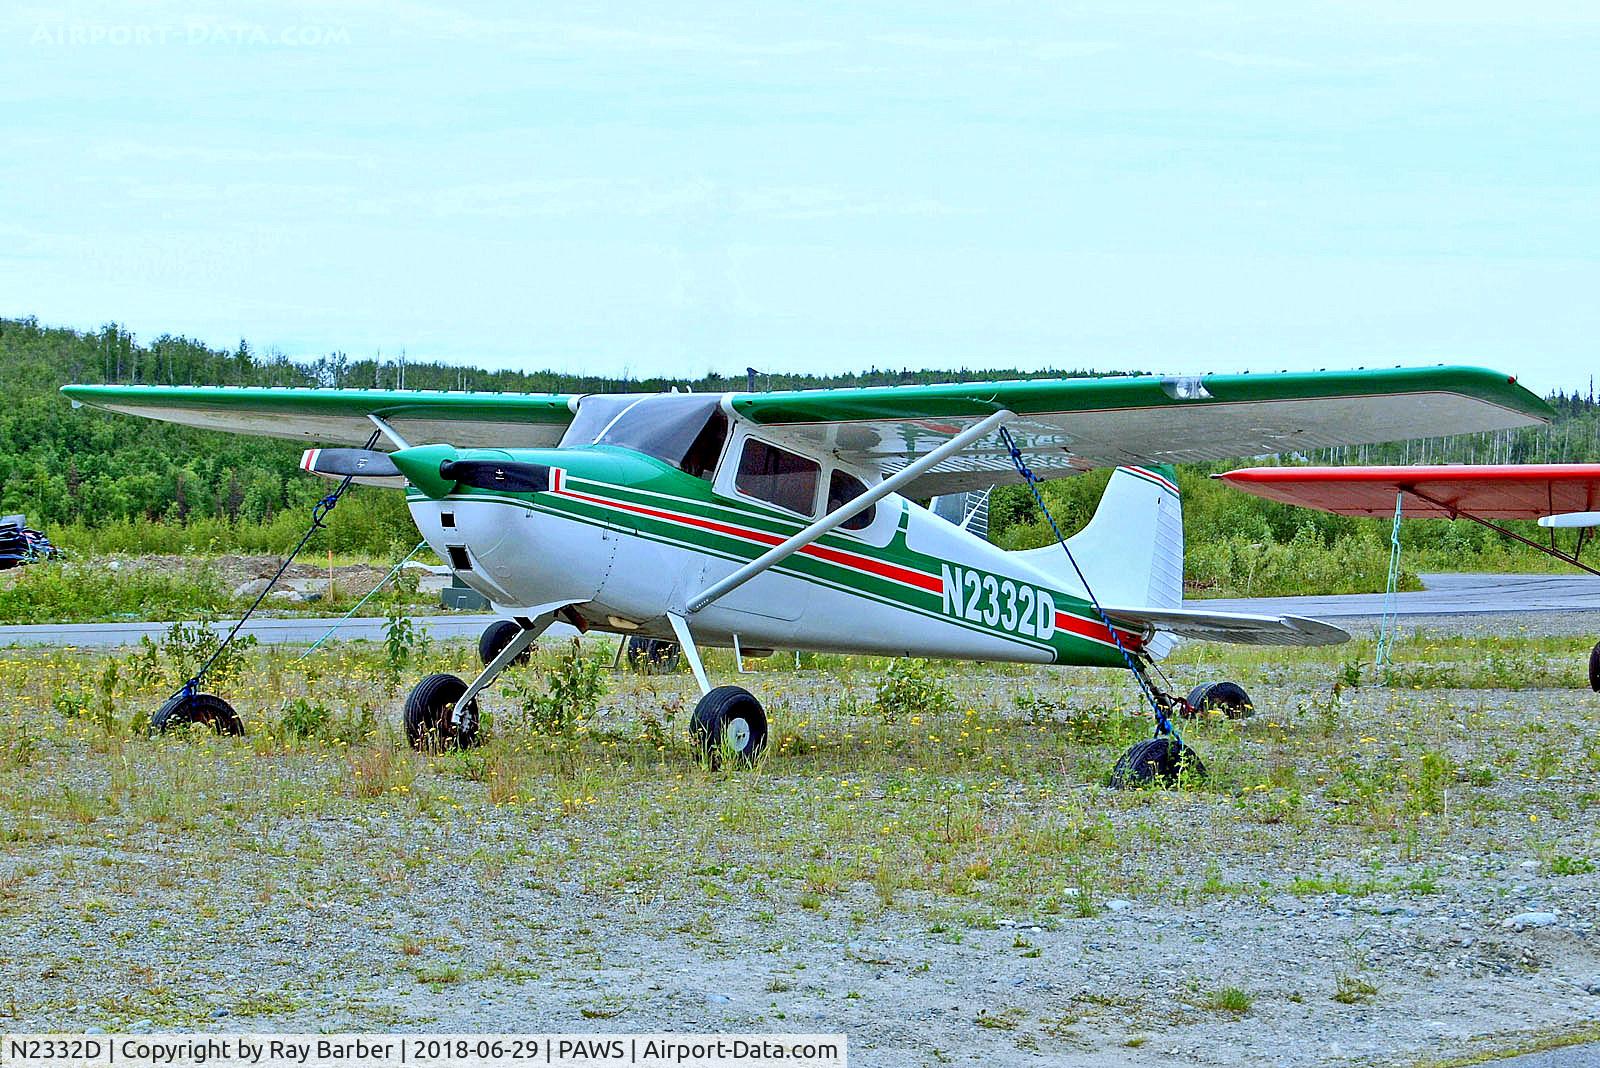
264,1003
438,973
1005,1020
1349,990
1228,999
380,770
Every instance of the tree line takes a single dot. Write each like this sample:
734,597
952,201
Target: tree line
90,470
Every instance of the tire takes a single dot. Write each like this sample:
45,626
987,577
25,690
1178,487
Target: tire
494,639
428,711
1158,761
205,708
653,656
729,721
1594,668
1228,698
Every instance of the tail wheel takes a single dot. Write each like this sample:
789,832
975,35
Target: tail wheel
1159,761
202,708
430,708
729,721
494,639
1594,668
1228,698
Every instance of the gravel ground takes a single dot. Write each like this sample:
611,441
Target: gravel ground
230,888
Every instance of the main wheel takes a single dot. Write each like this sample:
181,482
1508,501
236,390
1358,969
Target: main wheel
494,639
206,708
729,720
1156,760
653,656
429,709
1594,668
1228,698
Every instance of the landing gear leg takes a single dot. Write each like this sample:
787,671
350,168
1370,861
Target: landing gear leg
728,720
442,711
1163,760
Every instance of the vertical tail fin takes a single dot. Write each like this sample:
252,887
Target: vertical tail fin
1132,550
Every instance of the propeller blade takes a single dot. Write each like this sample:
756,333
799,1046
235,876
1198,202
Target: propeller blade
366,466
504,475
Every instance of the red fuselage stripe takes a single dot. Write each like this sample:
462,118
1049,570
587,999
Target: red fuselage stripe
919,579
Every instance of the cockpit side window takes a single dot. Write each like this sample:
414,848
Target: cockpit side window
778,477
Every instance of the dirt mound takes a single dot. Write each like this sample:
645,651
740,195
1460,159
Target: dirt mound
241,573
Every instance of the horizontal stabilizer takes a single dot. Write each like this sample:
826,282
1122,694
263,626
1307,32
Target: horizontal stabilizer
1235,627
365,466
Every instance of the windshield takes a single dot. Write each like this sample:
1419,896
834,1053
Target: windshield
683,429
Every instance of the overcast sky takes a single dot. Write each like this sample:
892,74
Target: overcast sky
1167,186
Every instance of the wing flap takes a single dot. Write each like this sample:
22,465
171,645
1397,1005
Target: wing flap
1233,627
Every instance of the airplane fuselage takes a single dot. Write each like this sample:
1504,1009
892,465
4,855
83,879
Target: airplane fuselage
630,539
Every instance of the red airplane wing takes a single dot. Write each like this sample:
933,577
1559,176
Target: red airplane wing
1488,491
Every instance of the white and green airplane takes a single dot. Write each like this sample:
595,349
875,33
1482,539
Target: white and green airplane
790,519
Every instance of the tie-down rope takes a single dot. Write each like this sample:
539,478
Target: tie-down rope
1164,724
319,513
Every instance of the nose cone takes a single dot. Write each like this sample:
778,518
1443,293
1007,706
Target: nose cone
420,464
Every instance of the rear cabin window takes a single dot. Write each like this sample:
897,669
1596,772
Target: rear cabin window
778,477
844,488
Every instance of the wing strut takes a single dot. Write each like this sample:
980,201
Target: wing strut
388,431
1548,550
915,469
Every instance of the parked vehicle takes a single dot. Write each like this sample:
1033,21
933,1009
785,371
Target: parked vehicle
21,544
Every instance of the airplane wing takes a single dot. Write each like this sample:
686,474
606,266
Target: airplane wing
1068,425
340,416
1488,491
1234,627
1064,425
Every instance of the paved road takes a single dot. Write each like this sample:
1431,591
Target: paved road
1443,595
266,631
1584,1056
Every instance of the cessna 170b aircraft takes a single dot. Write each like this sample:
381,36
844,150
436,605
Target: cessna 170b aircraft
789,519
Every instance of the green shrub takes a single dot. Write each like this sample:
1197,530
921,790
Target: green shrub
911,686
570,695
57,592
183,650
304,719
